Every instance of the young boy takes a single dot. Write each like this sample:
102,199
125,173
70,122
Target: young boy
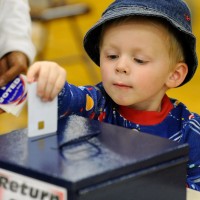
143,48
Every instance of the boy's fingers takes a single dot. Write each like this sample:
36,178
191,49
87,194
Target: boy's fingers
33,72
55,84
57,87
46,81
43,81
50,77
50,84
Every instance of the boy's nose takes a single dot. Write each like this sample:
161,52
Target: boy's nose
120,70
122,67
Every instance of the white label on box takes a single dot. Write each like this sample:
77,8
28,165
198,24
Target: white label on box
15,186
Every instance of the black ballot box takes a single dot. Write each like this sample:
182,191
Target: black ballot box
89,160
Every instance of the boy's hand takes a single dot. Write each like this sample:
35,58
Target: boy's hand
50,77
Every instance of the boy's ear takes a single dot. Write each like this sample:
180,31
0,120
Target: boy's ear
177,76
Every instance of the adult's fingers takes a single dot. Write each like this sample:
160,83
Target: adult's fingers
10,74
3,69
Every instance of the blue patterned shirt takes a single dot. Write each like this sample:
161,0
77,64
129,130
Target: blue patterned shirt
174,122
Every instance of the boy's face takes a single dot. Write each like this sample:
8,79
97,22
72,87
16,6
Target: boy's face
134,63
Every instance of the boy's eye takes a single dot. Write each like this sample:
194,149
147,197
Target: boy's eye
139,61
112,56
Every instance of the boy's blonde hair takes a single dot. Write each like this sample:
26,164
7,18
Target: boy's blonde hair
176,50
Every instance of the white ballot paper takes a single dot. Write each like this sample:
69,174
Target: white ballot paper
42,116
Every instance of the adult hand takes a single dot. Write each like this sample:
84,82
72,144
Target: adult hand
11,65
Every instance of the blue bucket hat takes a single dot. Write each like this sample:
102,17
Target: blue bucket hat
175,12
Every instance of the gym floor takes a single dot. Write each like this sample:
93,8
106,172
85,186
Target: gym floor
61,41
